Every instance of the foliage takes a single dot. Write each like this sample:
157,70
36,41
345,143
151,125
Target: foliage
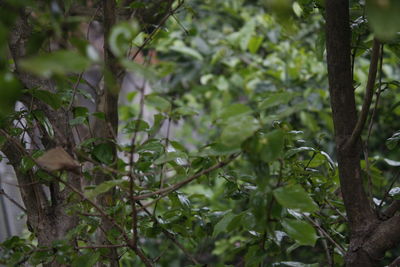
239,108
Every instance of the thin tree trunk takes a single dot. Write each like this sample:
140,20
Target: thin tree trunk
360,214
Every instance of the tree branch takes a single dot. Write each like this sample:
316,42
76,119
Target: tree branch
385,237
373,68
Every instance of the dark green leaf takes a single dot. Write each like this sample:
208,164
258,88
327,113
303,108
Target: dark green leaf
104,153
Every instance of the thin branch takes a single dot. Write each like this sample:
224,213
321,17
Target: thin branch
164,191
324,233
373,67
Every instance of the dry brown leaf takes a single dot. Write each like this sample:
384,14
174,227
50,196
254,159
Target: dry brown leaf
57,159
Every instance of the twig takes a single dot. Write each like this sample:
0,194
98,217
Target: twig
368,96
324,233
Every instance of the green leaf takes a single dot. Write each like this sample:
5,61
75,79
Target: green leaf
392,142
217,149
295,197
136,125
171,156
298,264
272,145
77,121
301,231
186,51
183,111
277,99
222,225
255,43
234,110
145,71
238,130
158,121
59,62
86,260
51,99
104,153
158,102
103,188
121,37
10,91
44,121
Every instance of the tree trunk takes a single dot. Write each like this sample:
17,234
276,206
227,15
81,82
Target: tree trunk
360,214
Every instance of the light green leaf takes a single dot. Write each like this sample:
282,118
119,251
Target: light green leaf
295,197
301,231
255,43
59,62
